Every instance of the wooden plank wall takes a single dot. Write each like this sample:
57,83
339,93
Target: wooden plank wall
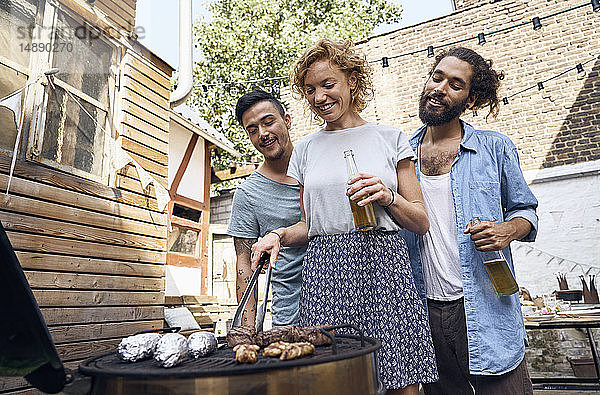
120,12
94,255
145,111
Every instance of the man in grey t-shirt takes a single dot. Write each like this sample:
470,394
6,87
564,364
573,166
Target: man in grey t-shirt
267,200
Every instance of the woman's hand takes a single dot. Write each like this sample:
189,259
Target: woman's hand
370,189
270,244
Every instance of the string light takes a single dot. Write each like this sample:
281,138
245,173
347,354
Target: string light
430,51
541,83
481,38
234,163
231,83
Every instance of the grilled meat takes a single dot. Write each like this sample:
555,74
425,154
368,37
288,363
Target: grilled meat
313,335
297,350
246,353
244,334
287,351
285,333
275,349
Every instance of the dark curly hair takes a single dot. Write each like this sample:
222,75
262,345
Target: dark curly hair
485,81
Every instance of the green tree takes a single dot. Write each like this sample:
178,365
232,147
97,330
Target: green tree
247,40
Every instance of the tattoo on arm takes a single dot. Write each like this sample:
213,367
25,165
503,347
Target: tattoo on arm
243,245
243,249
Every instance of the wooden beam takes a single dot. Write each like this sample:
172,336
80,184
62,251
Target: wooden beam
182,260
186,201
64,298
87,315
27,205
42,226
238,172
79,281
77,351
205,220
77,192
73,333
47,244
74,264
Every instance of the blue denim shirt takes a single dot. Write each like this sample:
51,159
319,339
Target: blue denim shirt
486,182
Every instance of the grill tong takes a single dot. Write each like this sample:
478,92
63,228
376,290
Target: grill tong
260,313
262,310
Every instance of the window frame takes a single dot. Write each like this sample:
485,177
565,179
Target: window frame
181,259
26,71
36,100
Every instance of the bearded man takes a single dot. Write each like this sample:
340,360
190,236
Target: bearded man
479,337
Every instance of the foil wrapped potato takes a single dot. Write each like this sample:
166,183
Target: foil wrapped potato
171,349
201,344
137,347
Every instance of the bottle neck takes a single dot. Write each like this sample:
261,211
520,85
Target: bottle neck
351,169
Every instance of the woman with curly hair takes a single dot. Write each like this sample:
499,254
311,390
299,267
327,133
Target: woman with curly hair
349,276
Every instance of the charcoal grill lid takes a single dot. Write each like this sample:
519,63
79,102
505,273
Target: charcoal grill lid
26,348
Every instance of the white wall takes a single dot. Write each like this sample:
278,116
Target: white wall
182,281
569,228
192,183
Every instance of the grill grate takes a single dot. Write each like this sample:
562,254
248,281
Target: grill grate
222,362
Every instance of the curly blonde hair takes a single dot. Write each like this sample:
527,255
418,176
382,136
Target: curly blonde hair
347,58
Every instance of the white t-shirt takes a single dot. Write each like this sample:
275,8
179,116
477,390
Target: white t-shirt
441,263
318,164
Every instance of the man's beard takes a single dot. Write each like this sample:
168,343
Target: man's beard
276,156
430,118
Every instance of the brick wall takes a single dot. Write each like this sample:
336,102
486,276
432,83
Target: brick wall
555,126
220,208
549,351
461,4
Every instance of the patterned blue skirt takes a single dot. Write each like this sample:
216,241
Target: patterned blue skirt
364,278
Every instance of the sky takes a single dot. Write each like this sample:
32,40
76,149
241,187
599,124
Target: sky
156,21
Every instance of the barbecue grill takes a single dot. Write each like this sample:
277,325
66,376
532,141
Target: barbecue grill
347,366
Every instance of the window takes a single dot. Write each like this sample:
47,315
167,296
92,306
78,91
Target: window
66,120
183,241
71,137
17,18
71,133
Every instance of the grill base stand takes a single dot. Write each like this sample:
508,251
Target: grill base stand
339,377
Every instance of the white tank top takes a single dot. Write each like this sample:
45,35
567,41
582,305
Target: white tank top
441,263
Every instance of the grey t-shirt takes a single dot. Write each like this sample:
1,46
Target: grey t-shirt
318,164
261,205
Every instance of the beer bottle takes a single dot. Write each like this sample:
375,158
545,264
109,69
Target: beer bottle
364,216
495,264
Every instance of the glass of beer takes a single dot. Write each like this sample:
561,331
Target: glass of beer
363,216
500,274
